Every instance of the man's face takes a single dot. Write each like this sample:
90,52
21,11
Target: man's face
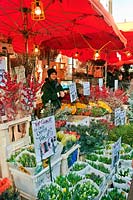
53,76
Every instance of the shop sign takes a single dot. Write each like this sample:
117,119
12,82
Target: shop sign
44,133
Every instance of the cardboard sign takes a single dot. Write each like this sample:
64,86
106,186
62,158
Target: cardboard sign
86,88
44,134
73,92
116,152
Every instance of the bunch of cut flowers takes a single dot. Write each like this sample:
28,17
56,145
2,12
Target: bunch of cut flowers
114,99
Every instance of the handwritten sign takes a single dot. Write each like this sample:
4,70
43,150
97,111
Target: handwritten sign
116,151
73,92
86,88
44,134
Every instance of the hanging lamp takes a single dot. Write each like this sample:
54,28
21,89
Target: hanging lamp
37,10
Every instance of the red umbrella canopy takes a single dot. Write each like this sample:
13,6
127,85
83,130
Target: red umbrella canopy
62,17
129,36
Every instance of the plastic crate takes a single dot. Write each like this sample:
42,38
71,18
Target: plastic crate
69,158
31,184
9,141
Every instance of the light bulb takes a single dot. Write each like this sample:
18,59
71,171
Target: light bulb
36,50
38,10
128,54
76,54
97,55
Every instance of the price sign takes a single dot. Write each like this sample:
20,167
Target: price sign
100,82
123,117
44,134
117,116
116,84
86,88
73,92
116,152
3,68
120,116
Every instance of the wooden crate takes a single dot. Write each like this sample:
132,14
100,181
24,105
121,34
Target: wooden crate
13,135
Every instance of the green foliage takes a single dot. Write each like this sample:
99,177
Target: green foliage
85,191
96,178
10,194
125,132
91,137
73,178
114,195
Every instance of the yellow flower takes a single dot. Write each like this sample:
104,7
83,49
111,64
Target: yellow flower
64,190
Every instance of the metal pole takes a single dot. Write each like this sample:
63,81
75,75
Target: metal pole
72,68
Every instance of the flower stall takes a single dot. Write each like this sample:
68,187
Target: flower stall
83,163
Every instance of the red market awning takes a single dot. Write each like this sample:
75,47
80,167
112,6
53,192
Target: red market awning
62,17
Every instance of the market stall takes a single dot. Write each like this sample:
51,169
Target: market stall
82,150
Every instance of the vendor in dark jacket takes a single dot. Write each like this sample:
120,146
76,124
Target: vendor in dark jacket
52,90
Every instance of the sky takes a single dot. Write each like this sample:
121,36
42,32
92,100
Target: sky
122,10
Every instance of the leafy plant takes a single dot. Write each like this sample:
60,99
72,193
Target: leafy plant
85,191
73,178
63,182
98,112
114,194
27,160
105,160
91,137
92,157
96,178
127,157
124,172
125,132
78,166
99,167
10,194
119,180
